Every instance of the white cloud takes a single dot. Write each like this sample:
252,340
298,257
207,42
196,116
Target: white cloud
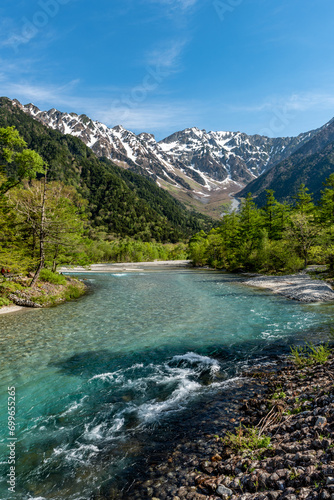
177,4
40,93
168,55
309,100
303,101
159,116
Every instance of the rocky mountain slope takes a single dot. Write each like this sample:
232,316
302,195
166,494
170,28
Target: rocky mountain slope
311,165
202,169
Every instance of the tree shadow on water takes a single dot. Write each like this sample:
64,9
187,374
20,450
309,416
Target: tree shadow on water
87,364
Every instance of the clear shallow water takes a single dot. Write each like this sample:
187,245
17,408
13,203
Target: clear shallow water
96,377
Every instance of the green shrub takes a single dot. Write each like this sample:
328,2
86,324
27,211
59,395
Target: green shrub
55,278
73,292
10,286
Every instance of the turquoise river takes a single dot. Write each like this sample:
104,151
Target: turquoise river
98,378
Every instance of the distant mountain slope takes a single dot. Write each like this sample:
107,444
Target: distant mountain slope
200,168
120,202
230,155
311,165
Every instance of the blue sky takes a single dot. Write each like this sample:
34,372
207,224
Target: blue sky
258,66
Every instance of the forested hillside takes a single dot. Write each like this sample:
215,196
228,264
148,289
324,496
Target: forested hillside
120,203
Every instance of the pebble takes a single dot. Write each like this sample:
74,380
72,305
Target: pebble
224,492
321,421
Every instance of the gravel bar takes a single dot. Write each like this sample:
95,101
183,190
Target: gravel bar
296,286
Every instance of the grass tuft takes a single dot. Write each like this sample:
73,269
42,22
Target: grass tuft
246,438
309,354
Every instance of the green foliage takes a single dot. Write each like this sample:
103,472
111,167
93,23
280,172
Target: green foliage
63,223
6,288
55,278
128,250
310,354
22,163
303,200
246,438
10,142
294,474
73,292
4,301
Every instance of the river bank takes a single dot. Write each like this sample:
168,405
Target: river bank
293,407
127,266
10,309
16,294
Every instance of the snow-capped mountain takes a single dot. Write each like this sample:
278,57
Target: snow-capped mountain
193,164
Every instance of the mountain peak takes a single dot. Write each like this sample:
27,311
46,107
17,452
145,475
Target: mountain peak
119,128
146,136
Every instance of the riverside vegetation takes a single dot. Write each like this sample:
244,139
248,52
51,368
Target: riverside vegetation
277,238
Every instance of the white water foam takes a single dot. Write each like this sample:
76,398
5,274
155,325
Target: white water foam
108,377
150,411
193,358
103,431
82,453
154,391
74,406
177,381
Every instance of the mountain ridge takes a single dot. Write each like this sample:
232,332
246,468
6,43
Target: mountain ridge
202,169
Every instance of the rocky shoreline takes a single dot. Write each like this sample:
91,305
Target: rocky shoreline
292,408
299,287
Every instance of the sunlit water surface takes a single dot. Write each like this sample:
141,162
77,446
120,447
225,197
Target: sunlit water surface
94,377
